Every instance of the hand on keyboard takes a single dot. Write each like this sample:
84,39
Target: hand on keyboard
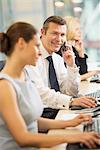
81,104
85,102
91,140
81,118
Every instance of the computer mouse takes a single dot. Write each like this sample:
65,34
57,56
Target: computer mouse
94,78
75,146
98,81
77,107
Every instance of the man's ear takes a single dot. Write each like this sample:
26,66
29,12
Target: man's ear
43,32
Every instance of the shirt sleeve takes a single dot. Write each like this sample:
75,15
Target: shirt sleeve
50,97
68,78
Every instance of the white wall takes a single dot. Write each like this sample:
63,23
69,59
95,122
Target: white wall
31,11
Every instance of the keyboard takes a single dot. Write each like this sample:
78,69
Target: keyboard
78,146
94,126
95,94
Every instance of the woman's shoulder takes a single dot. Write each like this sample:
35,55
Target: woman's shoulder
8,82
5,81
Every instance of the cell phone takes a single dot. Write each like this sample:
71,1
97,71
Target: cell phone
63,47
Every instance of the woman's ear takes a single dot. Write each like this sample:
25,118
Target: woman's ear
21,43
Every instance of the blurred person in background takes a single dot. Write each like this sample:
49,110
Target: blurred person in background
74,38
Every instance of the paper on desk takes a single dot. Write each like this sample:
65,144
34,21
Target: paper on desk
68,116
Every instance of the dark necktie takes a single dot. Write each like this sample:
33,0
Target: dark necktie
52,75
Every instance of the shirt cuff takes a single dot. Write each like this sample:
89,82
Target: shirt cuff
73,69
64,102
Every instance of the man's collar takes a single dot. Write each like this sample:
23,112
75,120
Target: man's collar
44,52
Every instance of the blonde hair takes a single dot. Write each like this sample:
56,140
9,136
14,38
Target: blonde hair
71,21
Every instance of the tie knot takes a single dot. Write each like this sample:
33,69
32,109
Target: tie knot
49,58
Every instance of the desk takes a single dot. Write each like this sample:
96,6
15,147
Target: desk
85,88
63,131
77,129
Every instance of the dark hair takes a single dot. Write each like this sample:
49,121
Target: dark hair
14,32
55,19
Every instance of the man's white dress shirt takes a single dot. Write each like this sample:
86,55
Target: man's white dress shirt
68,79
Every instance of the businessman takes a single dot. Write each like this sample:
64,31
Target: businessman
56,83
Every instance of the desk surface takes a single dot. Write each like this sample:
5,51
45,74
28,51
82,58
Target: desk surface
85,88
77,129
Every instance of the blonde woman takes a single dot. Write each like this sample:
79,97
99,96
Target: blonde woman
74,38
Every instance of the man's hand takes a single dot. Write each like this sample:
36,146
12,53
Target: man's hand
88,102
69,56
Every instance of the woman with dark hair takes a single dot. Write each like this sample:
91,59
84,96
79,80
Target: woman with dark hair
20,103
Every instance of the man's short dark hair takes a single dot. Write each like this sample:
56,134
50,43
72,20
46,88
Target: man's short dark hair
55,19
